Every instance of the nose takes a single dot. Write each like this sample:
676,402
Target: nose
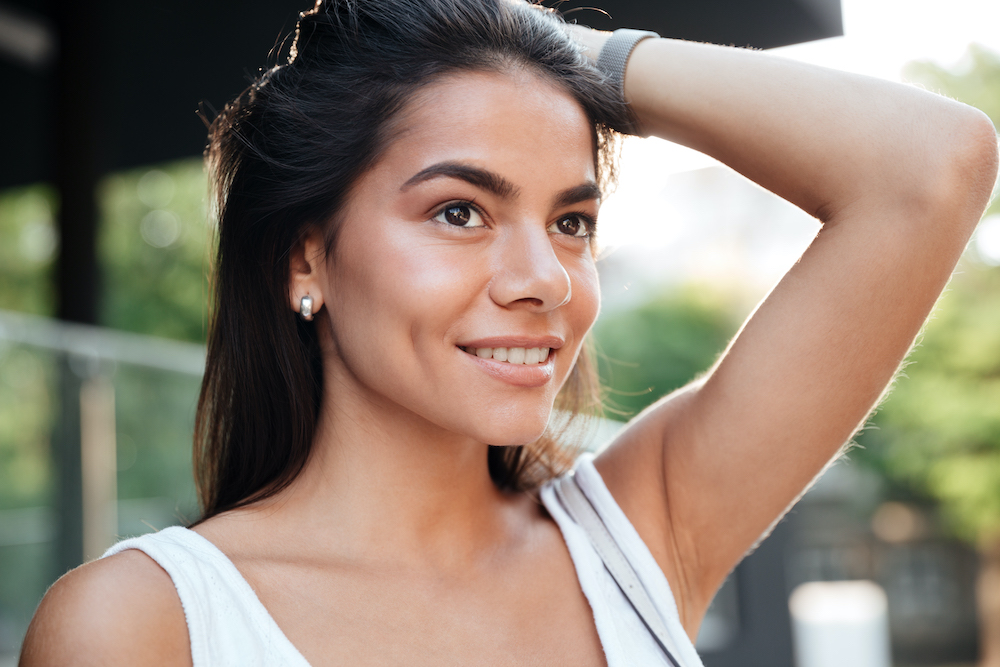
528,273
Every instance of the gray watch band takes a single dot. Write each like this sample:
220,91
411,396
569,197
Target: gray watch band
615,54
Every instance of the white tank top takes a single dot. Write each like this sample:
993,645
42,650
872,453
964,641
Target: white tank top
228,625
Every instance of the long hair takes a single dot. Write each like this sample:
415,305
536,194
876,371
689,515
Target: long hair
283,156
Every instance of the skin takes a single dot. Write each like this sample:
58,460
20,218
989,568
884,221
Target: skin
393,545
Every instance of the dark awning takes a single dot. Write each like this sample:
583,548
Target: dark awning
158,60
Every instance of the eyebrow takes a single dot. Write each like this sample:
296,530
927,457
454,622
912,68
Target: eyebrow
497,184
577,194
481,178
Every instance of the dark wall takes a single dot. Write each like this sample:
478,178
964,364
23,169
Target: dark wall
155,63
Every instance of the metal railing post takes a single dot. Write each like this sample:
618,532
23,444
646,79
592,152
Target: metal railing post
98,455
67,461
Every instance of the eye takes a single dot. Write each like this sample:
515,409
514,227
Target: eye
576,225
461,214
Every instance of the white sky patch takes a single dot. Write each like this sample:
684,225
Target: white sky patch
881,36
987,240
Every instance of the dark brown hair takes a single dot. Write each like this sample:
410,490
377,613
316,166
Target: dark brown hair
283,157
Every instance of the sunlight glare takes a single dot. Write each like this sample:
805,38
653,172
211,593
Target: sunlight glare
988,240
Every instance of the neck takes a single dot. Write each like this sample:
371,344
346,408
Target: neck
383,483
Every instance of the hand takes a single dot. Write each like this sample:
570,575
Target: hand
591,40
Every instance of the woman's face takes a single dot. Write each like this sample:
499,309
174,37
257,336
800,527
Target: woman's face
463,282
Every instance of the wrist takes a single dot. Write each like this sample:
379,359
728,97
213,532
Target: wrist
612,61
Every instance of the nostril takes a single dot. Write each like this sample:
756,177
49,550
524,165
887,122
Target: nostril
529,274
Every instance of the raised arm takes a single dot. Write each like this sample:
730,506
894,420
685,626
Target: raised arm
899,178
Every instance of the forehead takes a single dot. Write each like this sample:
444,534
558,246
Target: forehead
518,124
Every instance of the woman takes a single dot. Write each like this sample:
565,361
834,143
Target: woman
421,183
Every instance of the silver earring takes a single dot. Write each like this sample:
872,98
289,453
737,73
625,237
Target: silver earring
306,308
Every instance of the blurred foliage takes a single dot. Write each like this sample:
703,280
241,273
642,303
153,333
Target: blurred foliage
27,406
154,247
938,433
27,396
28,244
155,420
647,352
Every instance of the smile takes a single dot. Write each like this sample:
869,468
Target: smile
511,355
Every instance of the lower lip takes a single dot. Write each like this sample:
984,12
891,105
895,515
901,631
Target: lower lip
519,375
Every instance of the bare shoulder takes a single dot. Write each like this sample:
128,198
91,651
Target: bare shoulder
119,610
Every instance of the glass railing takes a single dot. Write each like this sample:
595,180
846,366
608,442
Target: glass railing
95,445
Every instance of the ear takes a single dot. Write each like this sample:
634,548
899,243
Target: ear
307,270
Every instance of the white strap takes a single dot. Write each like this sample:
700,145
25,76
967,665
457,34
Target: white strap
580,509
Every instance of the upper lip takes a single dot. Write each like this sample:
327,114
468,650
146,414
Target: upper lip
553,342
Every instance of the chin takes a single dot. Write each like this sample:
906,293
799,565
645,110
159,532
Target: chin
511,430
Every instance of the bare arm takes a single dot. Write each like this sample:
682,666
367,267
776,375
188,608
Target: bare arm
122,610
899,178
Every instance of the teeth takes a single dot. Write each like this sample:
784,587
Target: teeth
512,355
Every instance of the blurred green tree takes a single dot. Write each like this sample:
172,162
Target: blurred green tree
154,247
664,343
154,250
28,243
938,433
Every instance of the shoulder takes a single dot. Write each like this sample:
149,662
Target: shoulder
115,611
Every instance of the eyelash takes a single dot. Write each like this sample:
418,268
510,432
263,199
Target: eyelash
588,221
459,203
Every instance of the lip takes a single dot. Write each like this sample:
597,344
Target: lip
553,342
519,375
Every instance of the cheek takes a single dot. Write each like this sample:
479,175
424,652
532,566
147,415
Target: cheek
586,302
390,290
